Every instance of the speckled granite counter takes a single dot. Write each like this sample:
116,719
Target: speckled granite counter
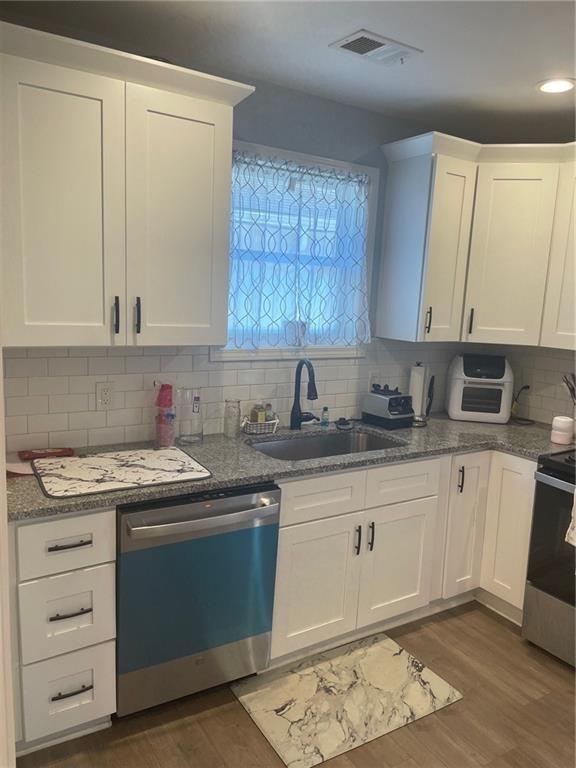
236,463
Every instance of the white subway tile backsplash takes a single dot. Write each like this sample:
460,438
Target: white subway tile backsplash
18,368
99,365
16,425
68,403
124,417
26,442
77,438
48,422
106,436
16,406
68,366
50,393
15,387
48,385
87,420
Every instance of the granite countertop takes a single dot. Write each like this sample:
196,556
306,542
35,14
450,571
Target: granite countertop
233,462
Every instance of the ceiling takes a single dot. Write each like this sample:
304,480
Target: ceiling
476,77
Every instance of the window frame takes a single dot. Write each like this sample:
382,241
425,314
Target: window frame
219,354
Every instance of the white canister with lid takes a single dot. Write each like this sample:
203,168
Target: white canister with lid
562,430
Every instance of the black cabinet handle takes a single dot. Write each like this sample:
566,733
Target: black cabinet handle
76,545
462,477
428,322
64,616
116,314
61,696
471,322
138,314
372,528
358,539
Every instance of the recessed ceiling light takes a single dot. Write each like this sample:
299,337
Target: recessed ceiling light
559,85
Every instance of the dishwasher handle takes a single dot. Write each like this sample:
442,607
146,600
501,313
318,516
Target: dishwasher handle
203,523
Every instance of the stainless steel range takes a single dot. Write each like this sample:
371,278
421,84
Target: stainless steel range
549,615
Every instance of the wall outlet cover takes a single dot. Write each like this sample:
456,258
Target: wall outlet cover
104,392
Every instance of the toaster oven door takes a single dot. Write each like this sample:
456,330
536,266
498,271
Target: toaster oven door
477,398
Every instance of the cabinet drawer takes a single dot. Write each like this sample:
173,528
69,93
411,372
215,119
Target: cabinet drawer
67,611
402,482
323,496
66,544
69,690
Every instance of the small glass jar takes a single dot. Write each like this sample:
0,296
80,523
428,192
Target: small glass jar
232,418
190,422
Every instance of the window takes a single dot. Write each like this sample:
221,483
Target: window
299,243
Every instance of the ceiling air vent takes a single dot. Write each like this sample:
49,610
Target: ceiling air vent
383,50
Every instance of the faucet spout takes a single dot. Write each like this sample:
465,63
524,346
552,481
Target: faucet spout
296,415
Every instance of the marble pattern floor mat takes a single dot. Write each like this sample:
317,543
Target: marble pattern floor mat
338,700
81,475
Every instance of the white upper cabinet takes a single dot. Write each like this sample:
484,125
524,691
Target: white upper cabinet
509,252
178,171
116,196
559,321
429,202
62,206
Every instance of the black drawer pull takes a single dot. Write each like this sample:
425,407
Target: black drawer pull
372,528
138,314
76,545
61,696
116,314
428,319
471,323
358,539
64,616
462,474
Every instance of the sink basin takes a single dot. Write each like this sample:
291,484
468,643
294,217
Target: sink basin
320,446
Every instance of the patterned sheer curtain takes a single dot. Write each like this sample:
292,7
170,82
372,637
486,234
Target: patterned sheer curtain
298,255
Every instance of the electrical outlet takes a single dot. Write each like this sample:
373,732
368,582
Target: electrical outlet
104,392
373,379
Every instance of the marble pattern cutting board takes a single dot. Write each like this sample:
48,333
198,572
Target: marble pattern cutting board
81,475
338,700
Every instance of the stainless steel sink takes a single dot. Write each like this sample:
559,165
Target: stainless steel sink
319,446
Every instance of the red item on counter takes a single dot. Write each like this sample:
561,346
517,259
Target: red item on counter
45,453
164,399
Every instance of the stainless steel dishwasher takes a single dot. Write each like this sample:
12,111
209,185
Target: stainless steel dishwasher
195,586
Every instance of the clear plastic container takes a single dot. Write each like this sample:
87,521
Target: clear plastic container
190,417
232,418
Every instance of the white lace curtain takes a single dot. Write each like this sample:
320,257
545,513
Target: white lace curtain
298,255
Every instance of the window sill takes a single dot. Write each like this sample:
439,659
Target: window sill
219,354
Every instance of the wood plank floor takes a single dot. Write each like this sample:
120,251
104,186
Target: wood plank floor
517,712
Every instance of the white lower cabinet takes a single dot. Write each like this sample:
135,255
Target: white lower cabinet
316,582
465,527
508,525
69,690
397,560
344,572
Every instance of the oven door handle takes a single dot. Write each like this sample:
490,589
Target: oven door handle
554,482
203,523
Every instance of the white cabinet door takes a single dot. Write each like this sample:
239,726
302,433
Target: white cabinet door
465,528
316,582
63,221
447,249
509,252
178,172
397,561
507,530
559,322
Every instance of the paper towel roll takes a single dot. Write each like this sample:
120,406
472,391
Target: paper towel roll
417,390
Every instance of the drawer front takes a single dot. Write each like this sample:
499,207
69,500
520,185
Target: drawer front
66,612
66,544
69,690
322,496
402,482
